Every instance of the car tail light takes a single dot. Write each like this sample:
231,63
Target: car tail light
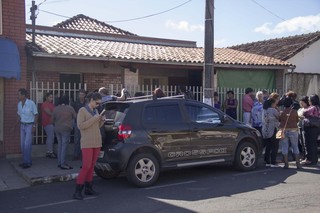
124,132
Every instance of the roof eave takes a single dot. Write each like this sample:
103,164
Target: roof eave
44,30
46,55
257,66
189,64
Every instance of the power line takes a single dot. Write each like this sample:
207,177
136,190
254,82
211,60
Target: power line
154,14
57,1
268,10
54,14
125,20
277,15
41,3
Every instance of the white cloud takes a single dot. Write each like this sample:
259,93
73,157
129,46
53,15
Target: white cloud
184,26
219,42
302,23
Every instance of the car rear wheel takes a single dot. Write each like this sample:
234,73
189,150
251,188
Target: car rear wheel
246,157
106,174
143,170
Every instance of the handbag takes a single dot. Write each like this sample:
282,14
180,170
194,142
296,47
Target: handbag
311,122
280,132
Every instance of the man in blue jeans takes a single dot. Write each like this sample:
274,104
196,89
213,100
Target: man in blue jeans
63,117
28,117
80,102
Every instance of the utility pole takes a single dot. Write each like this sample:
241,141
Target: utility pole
33,17
208,76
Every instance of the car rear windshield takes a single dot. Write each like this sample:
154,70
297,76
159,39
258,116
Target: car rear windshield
116,112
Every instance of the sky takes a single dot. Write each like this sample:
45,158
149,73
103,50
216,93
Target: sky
235,21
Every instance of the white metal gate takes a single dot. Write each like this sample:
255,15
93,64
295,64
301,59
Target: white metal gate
39,89
37,93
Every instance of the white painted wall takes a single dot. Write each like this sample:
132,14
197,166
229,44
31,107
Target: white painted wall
131,78
307,60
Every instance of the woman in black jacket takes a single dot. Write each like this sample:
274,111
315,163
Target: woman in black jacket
312,132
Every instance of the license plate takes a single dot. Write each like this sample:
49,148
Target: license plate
101,154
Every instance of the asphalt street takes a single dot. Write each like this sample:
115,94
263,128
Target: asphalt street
204,189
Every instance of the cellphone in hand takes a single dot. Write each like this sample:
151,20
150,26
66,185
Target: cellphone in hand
103,112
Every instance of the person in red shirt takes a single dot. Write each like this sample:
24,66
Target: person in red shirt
247,104
47,108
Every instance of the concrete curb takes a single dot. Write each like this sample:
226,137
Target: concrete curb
50,179
45,171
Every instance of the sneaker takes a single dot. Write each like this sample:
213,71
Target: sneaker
268,164
274,166
305,161
22,165
26,166
51,155
65,167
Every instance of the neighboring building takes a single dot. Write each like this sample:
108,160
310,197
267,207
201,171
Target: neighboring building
302,51
13,70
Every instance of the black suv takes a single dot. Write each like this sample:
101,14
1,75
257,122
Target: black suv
146,136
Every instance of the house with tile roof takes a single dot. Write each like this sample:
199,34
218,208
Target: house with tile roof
92,52
87,51
300,50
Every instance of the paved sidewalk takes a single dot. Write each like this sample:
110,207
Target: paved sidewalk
10,178
44,170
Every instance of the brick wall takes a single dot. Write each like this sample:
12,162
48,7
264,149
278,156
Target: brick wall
13,18
96,80
42,76
93,80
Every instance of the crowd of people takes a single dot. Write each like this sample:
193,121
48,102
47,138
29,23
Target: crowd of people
85,117
297,123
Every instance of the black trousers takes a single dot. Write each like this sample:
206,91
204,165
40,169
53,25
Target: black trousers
272,146
311,135
302,143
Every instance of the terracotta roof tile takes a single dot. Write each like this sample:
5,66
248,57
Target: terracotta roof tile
85,23
92,47
280,48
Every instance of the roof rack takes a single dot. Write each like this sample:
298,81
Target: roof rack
154,97
149,97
